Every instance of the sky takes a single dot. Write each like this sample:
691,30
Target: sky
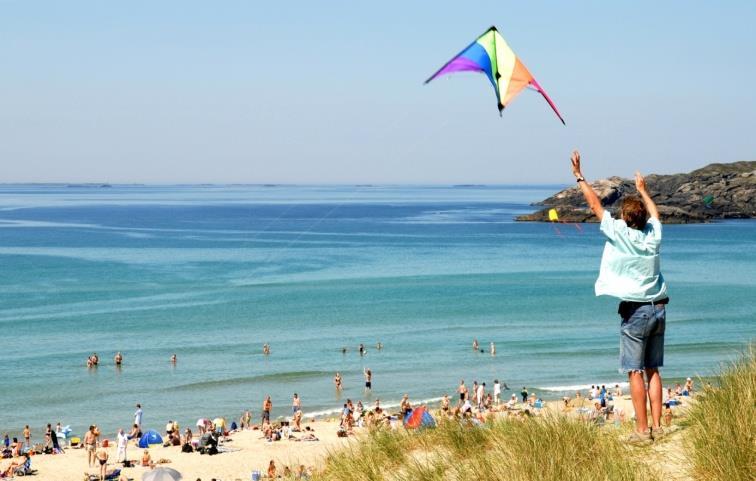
332,91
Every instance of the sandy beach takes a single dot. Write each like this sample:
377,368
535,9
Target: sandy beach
247,451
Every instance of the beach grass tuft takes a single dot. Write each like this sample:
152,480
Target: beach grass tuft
551,447
721,437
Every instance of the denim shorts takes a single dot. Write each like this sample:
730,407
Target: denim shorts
642,338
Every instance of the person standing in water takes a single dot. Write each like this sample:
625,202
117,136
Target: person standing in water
630,271
337,381
462,390
118,359
368,379
138,417
267,406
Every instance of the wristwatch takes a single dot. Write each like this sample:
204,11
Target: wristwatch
580,179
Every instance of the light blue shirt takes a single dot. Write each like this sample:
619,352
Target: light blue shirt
630,264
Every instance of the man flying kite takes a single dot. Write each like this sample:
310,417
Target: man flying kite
630,271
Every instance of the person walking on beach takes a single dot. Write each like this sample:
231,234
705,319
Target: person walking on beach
496,391
90,443
630,272
27,437
122,441
524,394
102,460
266,407
480,395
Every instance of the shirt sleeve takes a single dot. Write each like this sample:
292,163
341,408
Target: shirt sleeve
607,225
654,229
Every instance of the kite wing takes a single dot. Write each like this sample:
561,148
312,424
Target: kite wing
491,55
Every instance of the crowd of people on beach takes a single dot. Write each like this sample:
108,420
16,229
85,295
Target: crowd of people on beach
475,403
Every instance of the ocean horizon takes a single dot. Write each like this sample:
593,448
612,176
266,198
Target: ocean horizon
211,272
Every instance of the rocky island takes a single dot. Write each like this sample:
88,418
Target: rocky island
717,191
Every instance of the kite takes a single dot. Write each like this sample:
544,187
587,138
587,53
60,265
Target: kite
491,55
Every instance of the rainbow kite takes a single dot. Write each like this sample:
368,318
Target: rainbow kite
491,55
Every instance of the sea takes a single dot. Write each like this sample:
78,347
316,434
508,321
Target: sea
212,272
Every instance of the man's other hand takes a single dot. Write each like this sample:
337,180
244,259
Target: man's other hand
640,182
576,171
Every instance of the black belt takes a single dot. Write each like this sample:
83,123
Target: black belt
627,308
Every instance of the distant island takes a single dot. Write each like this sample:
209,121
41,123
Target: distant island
717,191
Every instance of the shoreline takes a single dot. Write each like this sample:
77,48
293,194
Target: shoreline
547,394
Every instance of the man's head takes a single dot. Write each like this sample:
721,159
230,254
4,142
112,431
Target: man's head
633,212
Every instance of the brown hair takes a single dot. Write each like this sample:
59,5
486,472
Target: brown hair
634,212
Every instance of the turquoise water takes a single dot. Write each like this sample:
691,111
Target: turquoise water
213,272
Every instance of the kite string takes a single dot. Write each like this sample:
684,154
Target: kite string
295,204
275,254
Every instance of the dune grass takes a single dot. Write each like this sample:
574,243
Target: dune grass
547,448
720,440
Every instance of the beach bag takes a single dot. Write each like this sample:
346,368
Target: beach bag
186,448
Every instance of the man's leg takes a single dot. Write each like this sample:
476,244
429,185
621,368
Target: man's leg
655,395
638,395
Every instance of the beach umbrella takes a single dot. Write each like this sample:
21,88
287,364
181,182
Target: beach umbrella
162,474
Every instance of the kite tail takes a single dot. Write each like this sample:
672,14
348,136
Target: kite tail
540,90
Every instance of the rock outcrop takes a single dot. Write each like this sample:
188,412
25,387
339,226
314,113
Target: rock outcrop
717,191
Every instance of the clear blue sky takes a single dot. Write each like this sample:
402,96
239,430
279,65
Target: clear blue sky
310,92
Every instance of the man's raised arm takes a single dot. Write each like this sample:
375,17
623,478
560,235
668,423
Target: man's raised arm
590,196
640,184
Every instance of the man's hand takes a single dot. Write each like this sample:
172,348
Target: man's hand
590,196
576,171
640,182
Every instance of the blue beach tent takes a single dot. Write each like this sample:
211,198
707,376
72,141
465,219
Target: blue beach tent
150,437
